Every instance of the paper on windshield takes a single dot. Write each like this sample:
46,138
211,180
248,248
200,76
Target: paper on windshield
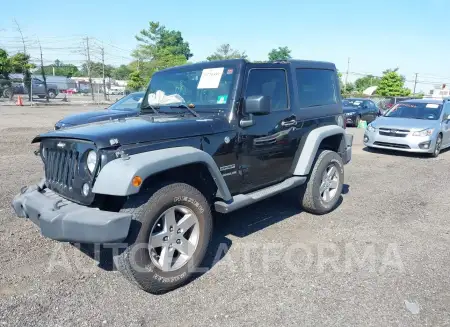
160,98
357,103
210,78
432,105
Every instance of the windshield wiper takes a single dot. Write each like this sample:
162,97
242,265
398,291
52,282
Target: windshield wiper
153,108
192,111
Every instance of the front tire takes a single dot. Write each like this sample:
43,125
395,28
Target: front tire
168,237
437,147
324,186
8,93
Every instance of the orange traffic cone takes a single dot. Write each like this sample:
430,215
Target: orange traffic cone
19,101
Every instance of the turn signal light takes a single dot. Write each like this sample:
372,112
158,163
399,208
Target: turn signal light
137,181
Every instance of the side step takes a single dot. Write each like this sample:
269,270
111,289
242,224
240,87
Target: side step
243,200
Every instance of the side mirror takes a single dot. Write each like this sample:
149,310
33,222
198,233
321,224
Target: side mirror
257,104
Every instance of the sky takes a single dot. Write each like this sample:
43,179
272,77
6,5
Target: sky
409,34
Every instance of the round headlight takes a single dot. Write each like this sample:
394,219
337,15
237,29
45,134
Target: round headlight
91,160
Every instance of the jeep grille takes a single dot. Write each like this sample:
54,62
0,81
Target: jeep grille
65,169
61,167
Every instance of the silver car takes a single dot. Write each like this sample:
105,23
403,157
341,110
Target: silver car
419,125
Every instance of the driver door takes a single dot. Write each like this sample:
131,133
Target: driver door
267,148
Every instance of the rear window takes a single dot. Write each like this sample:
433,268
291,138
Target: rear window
317,87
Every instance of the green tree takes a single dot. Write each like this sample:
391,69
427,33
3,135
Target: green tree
367,81
61,69
224,52
122,72
20,63
5,64
135,81
392,84
281,53
158,37
96,70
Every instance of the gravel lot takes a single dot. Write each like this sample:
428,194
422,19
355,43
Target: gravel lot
278,269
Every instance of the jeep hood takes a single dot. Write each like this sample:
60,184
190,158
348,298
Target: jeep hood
141,129
95,116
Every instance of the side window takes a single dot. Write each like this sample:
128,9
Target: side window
317,87
270,82
446,110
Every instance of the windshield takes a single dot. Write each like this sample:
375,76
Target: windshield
352,103
130,102
430,111
193,86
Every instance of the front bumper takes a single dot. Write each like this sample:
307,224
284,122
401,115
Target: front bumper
63,220
408,143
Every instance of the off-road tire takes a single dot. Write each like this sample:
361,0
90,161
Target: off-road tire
146,209
310,198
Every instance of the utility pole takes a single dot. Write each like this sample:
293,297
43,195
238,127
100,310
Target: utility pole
26,72
415,83
103,72
88,67
43,73
346,74
21,35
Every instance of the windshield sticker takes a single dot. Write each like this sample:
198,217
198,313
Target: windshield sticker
222,99
229,71
432,105
210,78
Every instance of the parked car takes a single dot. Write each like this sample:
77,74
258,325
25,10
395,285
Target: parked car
149,183
356,109
389,102
37,87
127,106
419,125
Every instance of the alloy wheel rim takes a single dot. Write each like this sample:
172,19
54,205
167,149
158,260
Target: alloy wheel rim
174,238
329,184
438,146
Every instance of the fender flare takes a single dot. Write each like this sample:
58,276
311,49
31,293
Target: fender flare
116,176
309,151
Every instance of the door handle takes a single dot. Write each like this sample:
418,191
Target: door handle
289,123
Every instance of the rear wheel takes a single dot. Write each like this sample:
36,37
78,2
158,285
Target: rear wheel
168,237
51,94
324,186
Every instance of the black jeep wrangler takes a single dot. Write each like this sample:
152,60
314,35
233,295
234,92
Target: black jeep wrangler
213,136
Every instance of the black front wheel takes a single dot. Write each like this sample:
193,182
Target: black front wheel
168,237
324,186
